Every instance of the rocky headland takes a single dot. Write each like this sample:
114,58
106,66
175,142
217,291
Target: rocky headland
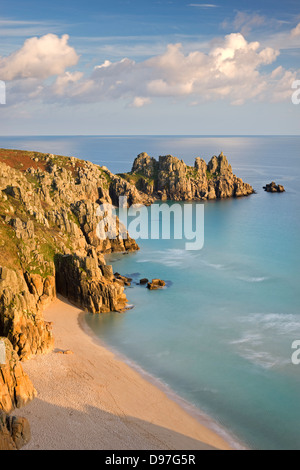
171,179
49,245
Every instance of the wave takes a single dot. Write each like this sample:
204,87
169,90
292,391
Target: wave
253,279
264,359
281,322
212,265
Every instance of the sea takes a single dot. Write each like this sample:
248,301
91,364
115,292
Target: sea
221,334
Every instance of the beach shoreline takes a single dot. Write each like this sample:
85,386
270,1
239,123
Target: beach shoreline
89,399
203,418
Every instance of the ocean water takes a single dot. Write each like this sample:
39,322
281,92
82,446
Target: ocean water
220,335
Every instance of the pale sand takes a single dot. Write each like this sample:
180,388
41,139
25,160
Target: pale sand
93,400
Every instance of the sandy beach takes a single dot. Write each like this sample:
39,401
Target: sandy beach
92,400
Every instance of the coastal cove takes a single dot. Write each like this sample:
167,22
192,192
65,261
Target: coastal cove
91,400
220,334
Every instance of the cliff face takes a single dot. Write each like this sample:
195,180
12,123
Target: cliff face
49,242
14,432
16,390
171,179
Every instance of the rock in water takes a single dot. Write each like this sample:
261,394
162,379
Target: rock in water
274,188
156,284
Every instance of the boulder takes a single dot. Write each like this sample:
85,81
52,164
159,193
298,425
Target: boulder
156,284
14,432
16,389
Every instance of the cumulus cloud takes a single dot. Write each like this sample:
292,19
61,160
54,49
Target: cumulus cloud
230,70
233,69
296,31
39,58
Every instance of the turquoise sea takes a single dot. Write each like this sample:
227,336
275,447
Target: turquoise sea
220,335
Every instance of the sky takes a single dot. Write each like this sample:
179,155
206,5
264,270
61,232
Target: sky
136,67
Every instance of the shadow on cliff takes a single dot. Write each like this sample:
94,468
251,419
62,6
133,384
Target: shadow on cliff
65,428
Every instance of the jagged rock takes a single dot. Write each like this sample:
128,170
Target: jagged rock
274,188
156,284
14,432
173,180
125,281
144,281
81,280
21,300
145,165
16,388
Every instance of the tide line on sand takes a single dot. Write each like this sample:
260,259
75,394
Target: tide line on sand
92,400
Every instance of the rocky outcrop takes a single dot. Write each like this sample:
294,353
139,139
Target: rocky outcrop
14,432
22,298
156,284
274,188
171,179
85,284
16,389
50,210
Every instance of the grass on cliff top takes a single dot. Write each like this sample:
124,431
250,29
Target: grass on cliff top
8,247
22,160
134,178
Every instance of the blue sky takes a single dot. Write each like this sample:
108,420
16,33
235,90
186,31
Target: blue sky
140,67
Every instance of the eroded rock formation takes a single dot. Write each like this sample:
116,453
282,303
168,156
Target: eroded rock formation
16,388
14,432
171,179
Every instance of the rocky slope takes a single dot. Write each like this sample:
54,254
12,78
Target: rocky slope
49,213
171,179
49,242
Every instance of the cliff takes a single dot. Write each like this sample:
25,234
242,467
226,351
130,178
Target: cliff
16,390
49,242
171,179
49,245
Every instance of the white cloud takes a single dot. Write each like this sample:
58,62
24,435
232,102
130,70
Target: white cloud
233,69
39,58
230,70
139,102
296,31
245,22
203,5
